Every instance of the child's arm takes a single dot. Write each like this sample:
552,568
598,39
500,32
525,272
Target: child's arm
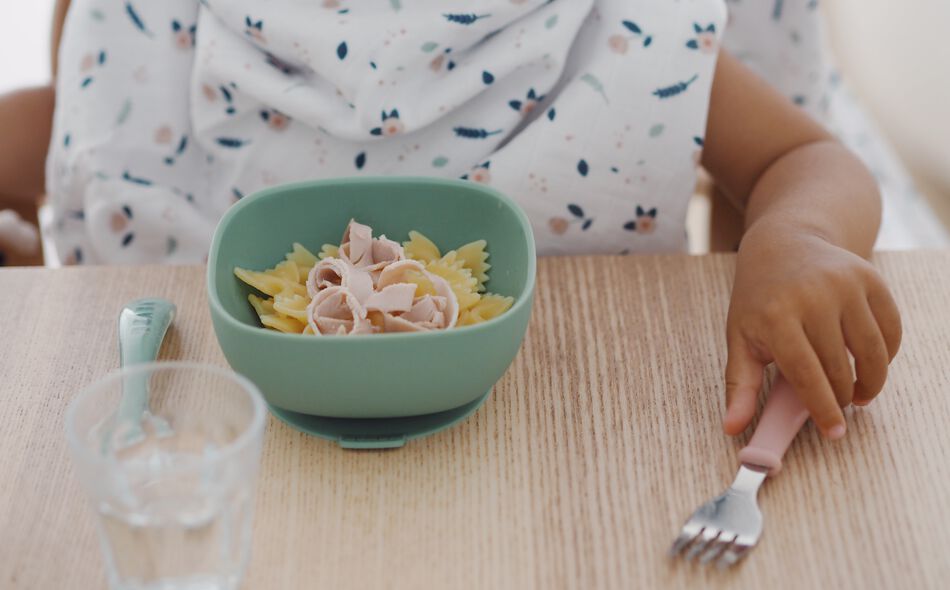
804,293
26,117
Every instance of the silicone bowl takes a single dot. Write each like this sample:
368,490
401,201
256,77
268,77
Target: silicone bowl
383,375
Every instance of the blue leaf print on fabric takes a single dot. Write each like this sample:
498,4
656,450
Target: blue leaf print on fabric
474,133
515,104
675,89
238,195
182,145
85,82
136,19
692,44
360,160
595,84
632,27
648,41
66,139
697,28
341,50
551,114
487,77
698,141
560,225
276,62
127,211
465,19
102,57
127,239
777,10
135,180
231,142
583,168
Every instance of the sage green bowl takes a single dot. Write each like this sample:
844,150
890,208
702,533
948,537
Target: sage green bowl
382,375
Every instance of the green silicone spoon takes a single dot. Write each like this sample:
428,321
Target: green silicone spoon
142,327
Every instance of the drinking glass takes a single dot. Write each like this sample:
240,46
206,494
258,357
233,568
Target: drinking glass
172,481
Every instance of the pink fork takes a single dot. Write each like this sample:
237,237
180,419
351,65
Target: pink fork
728,526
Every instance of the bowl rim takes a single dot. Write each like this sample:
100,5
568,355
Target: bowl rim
522,300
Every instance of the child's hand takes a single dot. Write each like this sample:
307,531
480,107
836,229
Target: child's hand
804,303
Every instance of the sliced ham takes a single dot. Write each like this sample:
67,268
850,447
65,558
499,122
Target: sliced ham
396,272
428,310
333,272
336,310
393,298
360,248
372,288
443,289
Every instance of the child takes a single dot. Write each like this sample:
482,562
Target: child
592,114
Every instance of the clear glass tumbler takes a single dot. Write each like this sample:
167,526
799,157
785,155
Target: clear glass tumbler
169,454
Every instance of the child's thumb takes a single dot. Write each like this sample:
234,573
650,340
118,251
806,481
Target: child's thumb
743,383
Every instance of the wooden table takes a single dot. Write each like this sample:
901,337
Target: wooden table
599,441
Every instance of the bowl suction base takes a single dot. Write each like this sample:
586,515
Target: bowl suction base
377,433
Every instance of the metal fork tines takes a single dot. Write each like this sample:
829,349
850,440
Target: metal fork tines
725,528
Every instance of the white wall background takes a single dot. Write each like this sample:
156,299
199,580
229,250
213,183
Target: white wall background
896,56
24,44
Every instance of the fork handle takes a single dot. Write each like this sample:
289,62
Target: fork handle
783,416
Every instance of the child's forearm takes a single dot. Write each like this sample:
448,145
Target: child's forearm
818,188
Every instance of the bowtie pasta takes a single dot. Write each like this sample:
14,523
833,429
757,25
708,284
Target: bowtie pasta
370,285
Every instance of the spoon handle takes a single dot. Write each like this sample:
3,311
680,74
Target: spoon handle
142,327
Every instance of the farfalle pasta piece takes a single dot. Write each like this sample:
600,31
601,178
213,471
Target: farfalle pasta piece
421,248
269,282
303,258
459,278
283,324
329,251
490,306
292,305
474,257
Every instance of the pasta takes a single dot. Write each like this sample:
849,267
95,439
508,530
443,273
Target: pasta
343,297
421,248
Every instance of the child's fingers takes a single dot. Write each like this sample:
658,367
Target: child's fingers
743,383
864,339
888,318
797,360
828,341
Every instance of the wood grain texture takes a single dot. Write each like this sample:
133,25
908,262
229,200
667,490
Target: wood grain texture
592,450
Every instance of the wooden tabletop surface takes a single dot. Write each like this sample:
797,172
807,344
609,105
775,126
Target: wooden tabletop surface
601,439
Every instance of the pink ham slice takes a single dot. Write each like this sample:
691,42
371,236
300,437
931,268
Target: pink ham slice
372,275
335,310
427,313
393,298
363,251
335,272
